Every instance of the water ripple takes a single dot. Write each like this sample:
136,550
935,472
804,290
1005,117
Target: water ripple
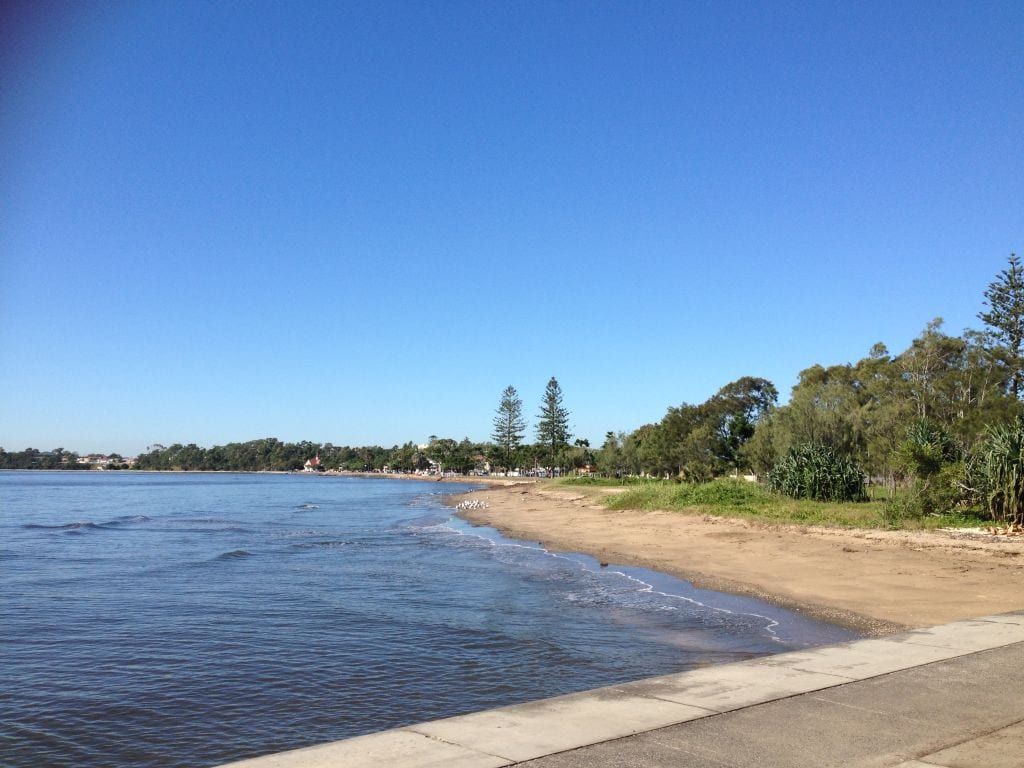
231,617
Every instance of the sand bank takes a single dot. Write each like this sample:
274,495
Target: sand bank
875,581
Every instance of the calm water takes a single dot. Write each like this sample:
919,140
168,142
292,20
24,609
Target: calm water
164,620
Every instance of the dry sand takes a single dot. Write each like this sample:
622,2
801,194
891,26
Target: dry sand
874,581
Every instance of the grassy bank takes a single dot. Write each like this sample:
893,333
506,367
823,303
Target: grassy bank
738,498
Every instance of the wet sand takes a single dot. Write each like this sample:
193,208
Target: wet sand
874,581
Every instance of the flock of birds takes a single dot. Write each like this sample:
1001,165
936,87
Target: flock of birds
472,504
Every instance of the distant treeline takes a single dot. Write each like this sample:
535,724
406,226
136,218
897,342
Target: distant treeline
58,458
440,454
270,454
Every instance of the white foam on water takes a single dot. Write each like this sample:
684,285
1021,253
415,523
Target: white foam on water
453,525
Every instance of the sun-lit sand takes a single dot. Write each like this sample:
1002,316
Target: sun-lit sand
874,581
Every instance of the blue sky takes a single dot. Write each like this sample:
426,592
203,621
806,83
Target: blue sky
359,222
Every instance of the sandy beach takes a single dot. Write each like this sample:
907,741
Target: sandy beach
877,582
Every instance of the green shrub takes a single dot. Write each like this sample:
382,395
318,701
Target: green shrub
898,511
817,472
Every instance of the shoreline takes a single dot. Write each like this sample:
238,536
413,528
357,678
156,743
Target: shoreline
464,479
872,581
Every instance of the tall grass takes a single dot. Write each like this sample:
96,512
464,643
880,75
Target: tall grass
737,498
608,482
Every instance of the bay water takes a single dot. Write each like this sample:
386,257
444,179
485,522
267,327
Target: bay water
191,619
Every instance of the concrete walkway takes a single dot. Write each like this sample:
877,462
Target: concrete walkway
945,696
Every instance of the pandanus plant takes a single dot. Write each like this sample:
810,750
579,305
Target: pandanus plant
926,449
1003,467
817,472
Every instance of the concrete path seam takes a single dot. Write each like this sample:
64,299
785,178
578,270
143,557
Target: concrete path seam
412,729
923,761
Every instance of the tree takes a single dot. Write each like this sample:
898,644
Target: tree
1005,320
982,390
581,455
821,407
404,459
760,452
932,367
609,458
553,422
643,450
509,426
734,412
675,448
442,450
467,456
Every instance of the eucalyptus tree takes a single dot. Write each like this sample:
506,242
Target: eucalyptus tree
698,442
553,422
932,367
882,415
821,408
679,445
761,451
609,457
982,390
509,427
642,450
732,414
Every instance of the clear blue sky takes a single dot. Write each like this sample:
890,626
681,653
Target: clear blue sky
359,222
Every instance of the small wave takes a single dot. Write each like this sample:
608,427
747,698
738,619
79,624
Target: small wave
235,554
212,525
304,533
126,520
321,544
432,522
646,588
87,524
84,525
641,587
205,520
308,506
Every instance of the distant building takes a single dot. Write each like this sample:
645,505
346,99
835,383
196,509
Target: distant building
312,465
101,461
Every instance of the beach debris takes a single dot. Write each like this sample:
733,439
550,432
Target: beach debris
472,504
1010,530
996,532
